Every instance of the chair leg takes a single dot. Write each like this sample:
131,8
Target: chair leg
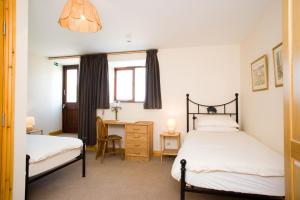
98,150
120,149
106,147
114,147
103,151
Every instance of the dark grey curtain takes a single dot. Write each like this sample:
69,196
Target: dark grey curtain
93,94
153,92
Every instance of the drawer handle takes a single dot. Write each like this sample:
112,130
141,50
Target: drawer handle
137,145
137,136
136,129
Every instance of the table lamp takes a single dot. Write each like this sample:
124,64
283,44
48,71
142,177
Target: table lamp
115,108
171,125
30,123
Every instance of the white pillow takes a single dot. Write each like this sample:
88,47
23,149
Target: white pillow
218,129
217,120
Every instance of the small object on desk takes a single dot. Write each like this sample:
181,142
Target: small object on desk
34,130
169,152
115,108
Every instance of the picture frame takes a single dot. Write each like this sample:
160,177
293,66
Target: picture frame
259,73
278,65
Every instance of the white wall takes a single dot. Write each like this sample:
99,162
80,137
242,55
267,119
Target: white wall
44,93
262,112
211,74
20,98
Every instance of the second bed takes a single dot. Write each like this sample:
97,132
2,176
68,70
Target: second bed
230,161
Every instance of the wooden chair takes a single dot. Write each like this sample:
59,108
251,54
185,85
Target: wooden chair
103,139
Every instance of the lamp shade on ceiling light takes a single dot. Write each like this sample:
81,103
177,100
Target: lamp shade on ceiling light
80,16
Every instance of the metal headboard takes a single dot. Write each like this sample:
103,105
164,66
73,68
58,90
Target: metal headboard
211,110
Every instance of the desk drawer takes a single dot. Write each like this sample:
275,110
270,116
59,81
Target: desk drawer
136,151
136,129
138,137
134,144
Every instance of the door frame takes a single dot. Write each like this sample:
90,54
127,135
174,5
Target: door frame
291,146
287,106
7,108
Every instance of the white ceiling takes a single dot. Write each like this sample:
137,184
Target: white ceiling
148,23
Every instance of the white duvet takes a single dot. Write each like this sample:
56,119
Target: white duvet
234,152
41,147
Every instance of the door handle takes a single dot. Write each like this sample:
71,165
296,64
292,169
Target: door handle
64,105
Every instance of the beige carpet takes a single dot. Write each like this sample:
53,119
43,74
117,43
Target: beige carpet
115,179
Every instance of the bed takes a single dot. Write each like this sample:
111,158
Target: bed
226,161
47,154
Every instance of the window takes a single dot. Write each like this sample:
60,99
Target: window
71,85
130,84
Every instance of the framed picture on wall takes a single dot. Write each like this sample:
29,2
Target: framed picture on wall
278,68
259,72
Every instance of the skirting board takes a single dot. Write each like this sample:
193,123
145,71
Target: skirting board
54,133
91,148
156,153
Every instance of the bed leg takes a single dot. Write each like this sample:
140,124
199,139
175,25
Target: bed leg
27,177
182,180
83,156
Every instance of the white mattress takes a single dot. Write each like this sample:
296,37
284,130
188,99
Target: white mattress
47,152
230,162
54,161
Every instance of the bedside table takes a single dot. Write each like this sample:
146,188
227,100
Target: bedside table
34,131
169,152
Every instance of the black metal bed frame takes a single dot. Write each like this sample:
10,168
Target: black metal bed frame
211,110
32,179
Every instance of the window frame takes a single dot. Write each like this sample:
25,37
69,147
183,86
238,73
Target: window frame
132,68
64,85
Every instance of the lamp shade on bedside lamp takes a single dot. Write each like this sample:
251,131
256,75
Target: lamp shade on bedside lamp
80,16
30,122
171,125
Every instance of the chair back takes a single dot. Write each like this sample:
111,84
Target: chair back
101,129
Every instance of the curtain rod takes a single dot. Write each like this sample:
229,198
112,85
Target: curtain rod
109,53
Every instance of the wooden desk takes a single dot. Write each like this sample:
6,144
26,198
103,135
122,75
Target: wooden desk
115,122
107,123
138,138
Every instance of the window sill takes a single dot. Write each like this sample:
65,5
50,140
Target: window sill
131,101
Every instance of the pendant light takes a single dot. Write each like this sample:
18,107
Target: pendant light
80,16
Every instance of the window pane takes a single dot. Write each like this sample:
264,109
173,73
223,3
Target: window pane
72,85
140,84
124,85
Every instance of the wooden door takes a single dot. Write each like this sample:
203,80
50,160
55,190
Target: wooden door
7,74
70,99
2,136
291,57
